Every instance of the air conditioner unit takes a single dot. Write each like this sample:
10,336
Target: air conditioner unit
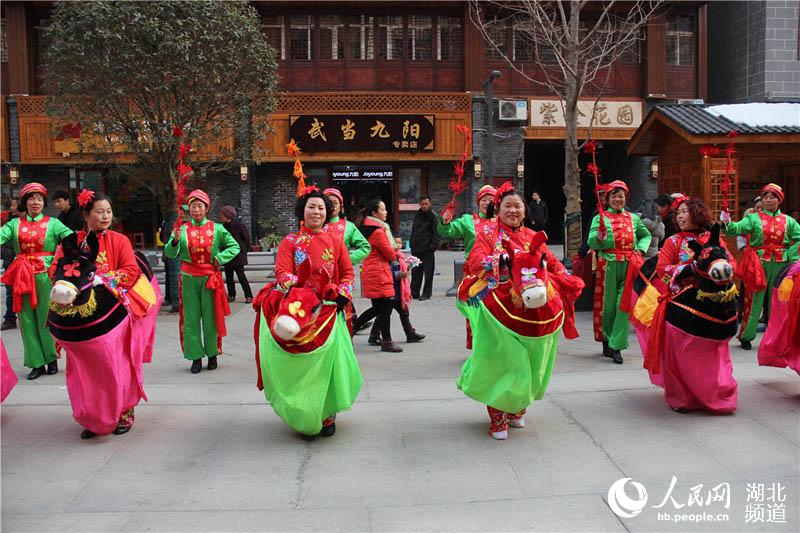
693,101
512,110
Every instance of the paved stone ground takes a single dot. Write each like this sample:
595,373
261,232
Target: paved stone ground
208,454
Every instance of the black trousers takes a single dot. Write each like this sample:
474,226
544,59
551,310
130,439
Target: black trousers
381,310
425,270
9,315
229,270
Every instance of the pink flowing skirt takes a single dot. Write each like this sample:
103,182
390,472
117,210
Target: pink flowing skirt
104,376
775,349
8,378
146,326
697,372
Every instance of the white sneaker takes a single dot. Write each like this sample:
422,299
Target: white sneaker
500,435
516,422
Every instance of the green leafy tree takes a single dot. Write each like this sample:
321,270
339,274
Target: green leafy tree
130,72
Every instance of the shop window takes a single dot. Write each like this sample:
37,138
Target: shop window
331,37
361,37
449,41
301,33
420,47
497,34
390,33
681,40
3,41
275,31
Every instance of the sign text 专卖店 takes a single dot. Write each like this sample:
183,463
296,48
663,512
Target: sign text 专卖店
362,133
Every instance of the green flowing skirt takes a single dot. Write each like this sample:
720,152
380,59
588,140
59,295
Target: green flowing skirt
506,370
306,388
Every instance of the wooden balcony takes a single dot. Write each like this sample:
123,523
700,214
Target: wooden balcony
38,131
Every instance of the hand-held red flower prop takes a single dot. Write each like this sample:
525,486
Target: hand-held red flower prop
730,151
457,184
293,150
184,173
591,148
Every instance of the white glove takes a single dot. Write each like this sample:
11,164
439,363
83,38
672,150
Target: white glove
725,217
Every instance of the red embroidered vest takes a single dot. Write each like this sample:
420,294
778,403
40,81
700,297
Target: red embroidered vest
774,230
30,235
200,239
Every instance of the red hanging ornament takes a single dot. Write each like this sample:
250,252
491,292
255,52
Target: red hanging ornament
293,150
709,150
730,151
457,184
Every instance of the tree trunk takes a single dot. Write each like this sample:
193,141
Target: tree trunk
572,178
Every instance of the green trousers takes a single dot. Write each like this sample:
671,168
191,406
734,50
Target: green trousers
771,269
615,322
38,345
198,312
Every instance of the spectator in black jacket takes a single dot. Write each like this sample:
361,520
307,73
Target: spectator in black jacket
229,220
424,242
70,215
537,211
663,203
7,250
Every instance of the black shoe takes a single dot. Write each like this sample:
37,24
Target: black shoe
374,341
307,438
121,430
212,363
415,296
197,366
423,298
36,372
87,434
616,357
328,431
52,368
231,298
389,346
7,324
414,337
746,345
606,349
365,325
681,410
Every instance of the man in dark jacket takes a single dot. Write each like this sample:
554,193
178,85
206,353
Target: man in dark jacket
228,216
537,210
9,317
70,215
424,241
663,205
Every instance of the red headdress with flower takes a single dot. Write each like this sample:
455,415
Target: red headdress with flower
85,197
501,190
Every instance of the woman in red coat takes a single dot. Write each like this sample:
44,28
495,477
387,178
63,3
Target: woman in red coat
377,279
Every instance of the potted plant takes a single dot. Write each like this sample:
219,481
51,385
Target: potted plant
267,227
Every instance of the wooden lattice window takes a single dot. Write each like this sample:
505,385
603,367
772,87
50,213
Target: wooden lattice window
420,29
390,34
275,30
331,37
449,39
361,34
301,33
3,41
681,37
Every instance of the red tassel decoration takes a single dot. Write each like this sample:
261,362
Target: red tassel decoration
457,184
293,150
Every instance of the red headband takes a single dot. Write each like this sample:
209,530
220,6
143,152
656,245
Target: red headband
200,195
332,191
677,202
484,191
775,189
31,188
